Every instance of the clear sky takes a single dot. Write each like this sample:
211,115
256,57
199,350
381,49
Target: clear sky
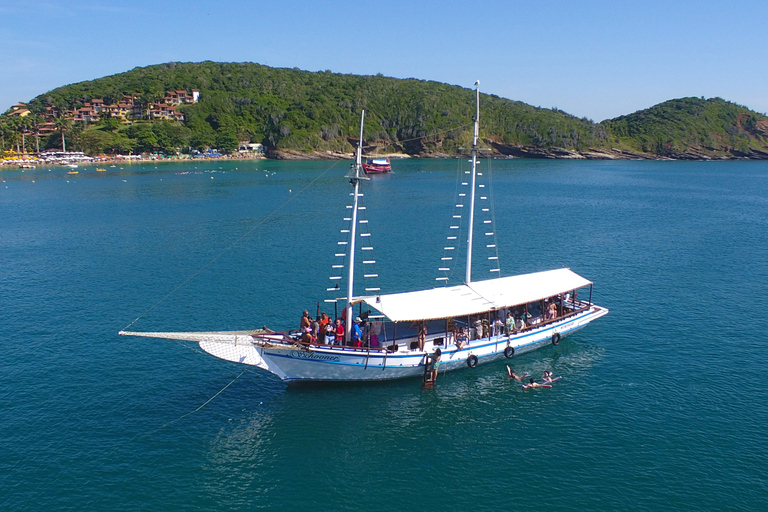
591,58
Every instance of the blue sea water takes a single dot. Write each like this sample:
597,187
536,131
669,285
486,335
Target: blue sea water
662,405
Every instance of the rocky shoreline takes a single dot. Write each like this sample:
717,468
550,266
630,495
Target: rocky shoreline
509,151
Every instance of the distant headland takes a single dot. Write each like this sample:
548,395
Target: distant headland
245,108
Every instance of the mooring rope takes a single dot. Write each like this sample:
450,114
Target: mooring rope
138,436
233,244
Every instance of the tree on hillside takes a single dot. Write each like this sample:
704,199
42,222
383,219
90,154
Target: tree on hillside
62,124
13,125
109,123
35,121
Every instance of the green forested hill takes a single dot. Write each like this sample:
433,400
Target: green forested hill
294,111
692,125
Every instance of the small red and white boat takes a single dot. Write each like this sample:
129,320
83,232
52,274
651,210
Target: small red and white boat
377,165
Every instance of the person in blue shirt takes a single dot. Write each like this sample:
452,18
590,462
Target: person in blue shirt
356,332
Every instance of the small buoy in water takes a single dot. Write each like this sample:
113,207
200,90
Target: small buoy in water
211,177
289,191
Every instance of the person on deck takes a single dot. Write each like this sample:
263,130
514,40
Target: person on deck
330,333
339,332
356,332
322,323
498,327
305,322
510,323
461,338
314,329
376,326
477,332
422,334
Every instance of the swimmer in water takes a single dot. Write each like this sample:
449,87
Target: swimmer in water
547,377
534,384
513,375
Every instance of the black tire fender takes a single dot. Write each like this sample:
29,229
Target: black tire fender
472,361
556,338
509,352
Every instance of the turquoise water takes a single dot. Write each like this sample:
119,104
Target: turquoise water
661,405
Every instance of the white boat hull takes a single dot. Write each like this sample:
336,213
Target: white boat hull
294,363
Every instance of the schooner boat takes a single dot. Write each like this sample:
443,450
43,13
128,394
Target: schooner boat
466,324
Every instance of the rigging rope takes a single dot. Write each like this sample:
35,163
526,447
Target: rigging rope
233,244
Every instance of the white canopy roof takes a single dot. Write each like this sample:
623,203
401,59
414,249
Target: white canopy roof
463,300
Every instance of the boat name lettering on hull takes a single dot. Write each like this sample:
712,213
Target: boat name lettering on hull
311,355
